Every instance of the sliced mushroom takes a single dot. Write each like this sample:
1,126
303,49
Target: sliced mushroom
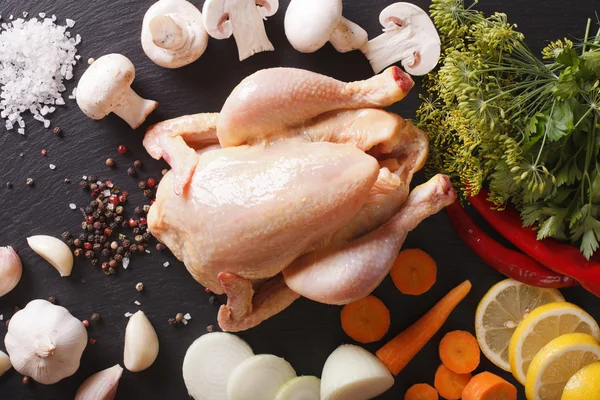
309,24
105,88
173,34
409,36
243,19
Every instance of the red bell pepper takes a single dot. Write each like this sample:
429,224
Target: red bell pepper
559,257
511,263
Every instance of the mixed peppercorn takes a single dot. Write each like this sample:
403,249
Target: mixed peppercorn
109,237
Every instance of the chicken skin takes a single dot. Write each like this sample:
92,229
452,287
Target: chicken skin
298,187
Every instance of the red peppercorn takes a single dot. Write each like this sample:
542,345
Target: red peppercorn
207,290
114,200
152,201
122,199
125,193
92,341
151,182
123,149
107,232
95,193
143,221
104,265
132,223
89,219
87,245
85,323
43,152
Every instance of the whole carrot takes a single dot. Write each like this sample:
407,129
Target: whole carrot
398,352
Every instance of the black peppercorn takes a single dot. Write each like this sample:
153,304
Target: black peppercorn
108,214
142,185
148,193
113,226
118,257
90,238
137,164
106,245
77,242
84,185
136,231
89,210
97,225
160,247
70,242
127,254
89,254
96,233
212,299
133,248
105,253
66,235
52,299
92,178
172,321
146,236
120,250
78,252
138,210
97,247
131,172
82,237
118,219
94,261
102,239
96,214
95,317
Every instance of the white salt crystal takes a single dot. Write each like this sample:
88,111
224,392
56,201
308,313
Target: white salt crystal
84,177
35,57
125,262
52,166
1,317
72,206
53,17
166,264
25,14
137,303
21,131
110,206
70,23
187,316
11,16
128,314
185,322
106,193
147,251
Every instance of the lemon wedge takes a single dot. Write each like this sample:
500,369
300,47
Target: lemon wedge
584,384
557,362
542,325
501,310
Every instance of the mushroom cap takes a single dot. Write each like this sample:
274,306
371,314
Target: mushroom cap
214,15
310,23
400,15
104,84
186,11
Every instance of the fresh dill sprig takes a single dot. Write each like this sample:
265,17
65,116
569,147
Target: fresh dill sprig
528,128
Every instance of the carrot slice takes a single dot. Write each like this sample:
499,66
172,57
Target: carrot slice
487,386
400,350
449,384
414,272
459,352
421,391
366,320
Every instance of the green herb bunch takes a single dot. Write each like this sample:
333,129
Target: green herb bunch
529,129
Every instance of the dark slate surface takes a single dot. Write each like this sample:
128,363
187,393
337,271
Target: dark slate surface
304,334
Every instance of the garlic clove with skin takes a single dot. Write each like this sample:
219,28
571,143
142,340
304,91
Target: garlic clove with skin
53,250
45,342
100,386
5,364
141,343
10,269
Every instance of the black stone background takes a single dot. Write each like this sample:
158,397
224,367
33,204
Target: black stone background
307,332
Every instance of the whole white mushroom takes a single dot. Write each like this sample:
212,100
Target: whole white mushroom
309,24
173,34
45,342
105,88
409,36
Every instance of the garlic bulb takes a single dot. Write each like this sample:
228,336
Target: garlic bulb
53,250
5,364
10,269
45,342
141,343
100,386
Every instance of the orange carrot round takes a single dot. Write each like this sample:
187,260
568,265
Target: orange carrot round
414,272
459,352
400,350
421,391
449,384
487,386
366,320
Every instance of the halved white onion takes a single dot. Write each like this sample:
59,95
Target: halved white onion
209,362
352,373
259,378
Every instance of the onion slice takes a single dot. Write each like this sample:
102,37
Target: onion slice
209,362
352,373
259,378
300,388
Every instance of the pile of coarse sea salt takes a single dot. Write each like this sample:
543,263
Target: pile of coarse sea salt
35,56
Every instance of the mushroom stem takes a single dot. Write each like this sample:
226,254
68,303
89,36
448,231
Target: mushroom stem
168,32
134,109
44,347
348,36
389,47
249,29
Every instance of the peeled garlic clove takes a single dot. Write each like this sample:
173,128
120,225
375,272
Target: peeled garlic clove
10,269
100,386
141,343
5,364
53,250
45,342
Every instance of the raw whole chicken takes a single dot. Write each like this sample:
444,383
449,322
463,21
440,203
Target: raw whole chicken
298,187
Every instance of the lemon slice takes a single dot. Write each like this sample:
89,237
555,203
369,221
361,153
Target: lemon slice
541,326
584,384
501,310
557,362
